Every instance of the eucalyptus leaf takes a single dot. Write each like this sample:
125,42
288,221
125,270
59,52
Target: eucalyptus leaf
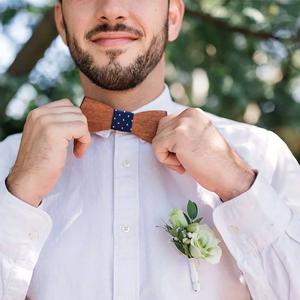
169,228
179,246
181,234
186,250
192,209
198,220
187,218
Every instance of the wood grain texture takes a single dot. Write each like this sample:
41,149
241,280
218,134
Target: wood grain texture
99,117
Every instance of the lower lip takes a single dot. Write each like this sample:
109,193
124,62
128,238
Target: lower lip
113,42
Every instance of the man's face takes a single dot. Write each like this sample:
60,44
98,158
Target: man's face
116,43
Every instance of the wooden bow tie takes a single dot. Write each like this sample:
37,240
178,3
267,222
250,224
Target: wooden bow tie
103,117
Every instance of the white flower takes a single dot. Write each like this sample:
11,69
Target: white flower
190,235
177,218
194,227
204,245
186,240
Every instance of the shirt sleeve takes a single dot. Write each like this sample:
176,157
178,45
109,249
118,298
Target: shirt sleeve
23,232
261,227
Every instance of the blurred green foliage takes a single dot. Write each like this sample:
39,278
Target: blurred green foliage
248,51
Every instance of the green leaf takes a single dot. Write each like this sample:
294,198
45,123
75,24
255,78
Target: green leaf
198,220
192,209
181,234
186,250
179,246
187,218
174,232
169,228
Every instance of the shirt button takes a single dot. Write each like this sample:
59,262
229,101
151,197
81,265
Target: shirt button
126,163
125,228
34,235
233,229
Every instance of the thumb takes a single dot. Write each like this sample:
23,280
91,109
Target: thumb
171,161
81,145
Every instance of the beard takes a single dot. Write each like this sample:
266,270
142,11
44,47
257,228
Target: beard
114,76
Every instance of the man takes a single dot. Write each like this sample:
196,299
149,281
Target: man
78,220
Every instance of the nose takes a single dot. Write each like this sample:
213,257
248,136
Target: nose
112,11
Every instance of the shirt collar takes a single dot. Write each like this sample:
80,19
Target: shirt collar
162,102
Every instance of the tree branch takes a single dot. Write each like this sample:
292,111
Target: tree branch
43,35
263,35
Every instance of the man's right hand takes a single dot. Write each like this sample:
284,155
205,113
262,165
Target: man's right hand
43,149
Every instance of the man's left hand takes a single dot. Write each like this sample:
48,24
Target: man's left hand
189,142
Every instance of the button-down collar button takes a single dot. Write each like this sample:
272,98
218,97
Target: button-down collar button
126,163
125,228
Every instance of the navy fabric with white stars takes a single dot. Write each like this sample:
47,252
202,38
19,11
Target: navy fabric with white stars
122,120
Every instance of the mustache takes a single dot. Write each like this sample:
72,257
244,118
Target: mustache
118,27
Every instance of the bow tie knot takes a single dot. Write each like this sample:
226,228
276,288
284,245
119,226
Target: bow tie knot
103,117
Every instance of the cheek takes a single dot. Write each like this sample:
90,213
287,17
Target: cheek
150,15
80,22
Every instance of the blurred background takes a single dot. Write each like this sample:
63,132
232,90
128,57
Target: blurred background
236,59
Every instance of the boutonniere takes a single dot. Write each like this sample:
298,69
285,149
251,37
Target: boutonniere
195,240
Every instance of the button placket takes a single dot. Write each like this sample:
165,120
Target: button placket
126,163
125,228
126,218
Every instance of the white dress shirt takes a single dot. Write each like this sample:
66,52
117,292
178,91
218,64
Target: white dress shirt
95,236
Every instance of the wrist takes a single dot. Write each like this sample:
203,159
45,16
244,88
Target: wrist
21,191
241,185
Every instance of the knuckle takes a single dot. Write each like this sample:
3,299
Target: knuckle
50,130
80,125
78,109
42,121
207,122
33,114
193,111
67,101
182,121
180,130
84,118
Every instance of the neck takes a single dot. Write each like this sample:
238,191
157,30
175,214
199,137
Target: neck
128,100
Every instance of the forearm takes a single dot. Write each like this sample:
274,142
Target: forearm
263,234
23,232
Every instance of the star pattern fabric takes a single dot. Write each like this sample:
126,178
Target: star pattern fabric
122,120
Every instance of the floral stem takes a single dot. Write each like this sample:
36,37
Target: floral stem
194,275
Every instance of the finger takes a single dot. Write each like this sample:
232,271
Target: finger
170,121
62,102
72,126
52,106
178,169
162,148
80,147
166,122
64,109
78,131
57,110
171,160
62,118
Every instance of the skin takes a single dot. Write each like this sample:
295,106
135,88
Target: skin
185,142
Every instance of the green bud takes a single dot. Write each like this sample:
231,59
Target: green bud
177,218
